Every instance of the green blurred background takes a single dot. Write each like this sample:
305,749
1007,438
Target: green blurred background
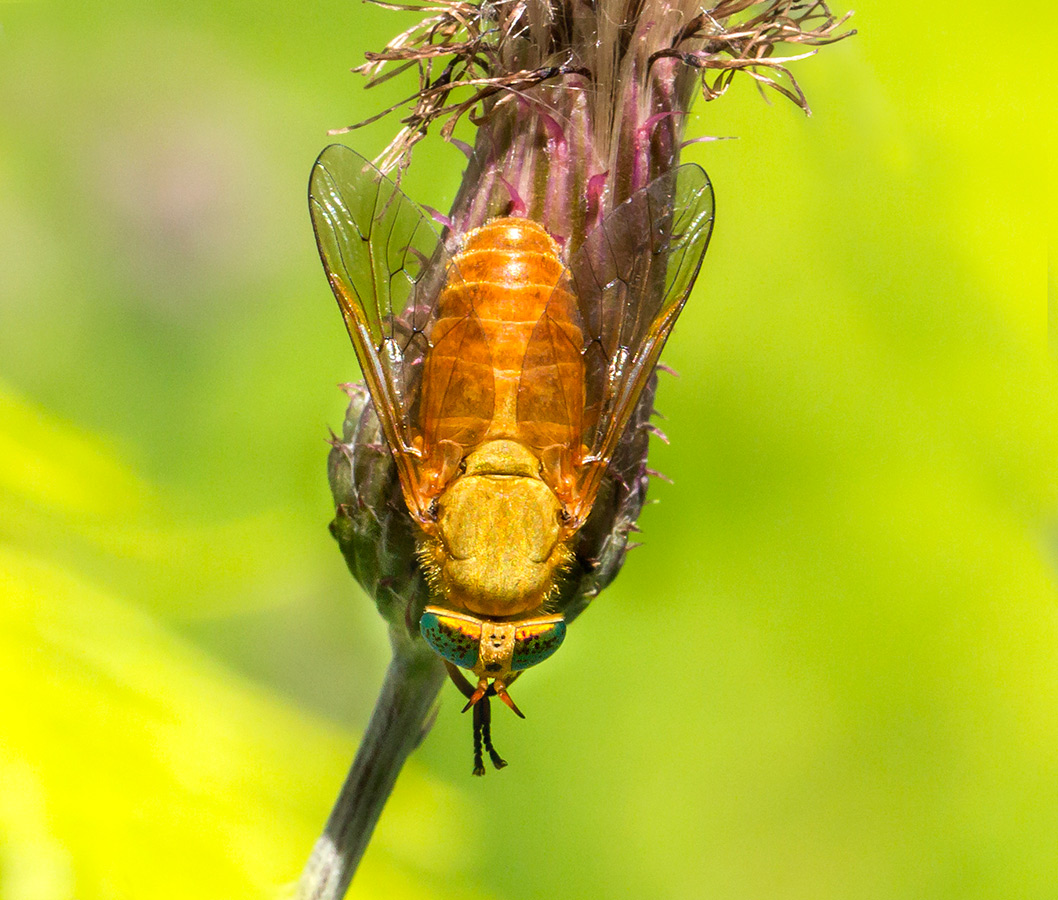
829,673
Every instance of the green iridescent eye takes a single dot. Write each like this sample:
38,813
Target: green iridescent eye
453,637
536,640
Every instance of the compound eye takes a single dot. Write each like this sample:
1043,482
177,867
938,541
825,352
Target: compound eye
536,640
453,637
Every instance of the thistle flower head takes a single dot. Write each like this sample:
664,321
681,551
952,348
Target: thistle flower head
578,104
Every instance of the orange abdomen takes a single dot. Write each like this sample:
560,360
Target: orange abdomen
505,357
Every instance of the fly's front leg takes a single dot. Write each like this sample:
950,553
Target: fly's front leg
482,720
485,727
479,764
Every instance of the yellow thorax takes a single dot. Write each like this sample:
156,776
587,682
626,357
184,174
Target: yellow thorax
497,550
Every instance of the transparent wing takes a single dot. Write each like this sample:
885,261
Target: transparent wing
458,397
386,266
551,380
631,278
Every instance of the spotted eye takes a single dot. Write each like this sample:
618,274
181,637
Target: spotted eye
536,640
453,637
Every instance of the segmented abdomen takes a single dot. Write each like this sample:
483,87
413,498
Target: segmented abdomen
505,357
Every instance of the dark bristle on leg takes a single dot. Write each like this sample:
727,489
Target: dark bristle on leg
480,731
497,760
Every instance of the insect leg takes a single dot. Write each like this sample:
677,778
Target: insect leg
459,679
486,732
482,715
479,732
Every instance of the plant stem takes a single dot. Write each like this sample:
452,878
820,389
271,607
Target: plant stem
398,723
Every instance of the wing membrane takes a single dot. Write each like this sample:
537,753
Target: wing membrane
386,266
458,401
631,278
551,381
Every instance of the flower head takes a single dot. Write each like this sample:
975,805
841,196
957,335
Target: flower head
578,105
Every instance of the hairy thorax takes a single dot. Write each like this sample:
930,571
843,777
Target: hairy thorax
496,549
